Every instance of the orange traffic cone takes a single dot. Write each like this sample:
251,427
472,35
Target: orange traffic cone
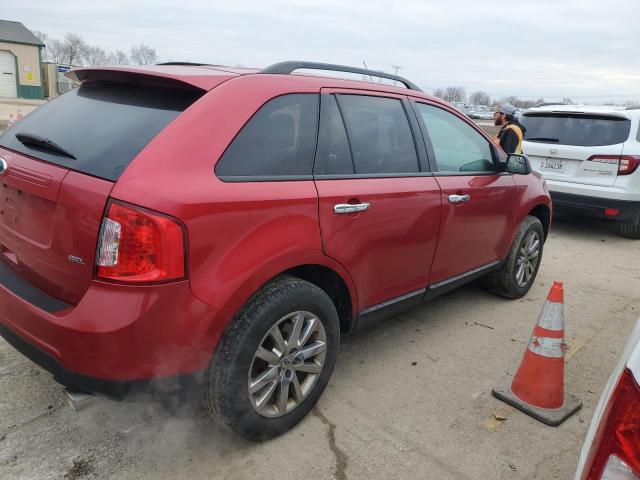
538,385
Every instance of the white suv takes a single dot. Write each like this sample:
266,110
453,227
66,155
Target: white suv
612,448
590,158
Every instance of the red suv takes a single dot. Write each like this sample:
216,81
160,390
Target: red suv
197,221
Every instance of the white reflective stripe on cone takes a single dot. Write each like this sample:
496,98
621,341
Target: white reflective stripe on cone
547,347
552,316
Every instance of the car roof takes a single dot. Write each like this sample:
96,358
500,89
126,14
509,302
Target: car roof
588,109
206,77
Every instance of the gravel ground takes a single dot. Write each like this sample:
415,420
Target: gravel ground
410,398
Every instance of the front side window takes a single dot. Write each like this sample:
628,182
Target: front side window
457,146
279,140
379,135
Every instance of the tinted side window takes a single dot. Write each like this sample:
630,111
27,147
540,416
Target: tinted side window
457,146
279,139
333,156
379,135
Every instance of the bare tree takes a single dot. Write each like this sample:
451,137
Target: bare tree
567,101
95,56
143,54
54,51
118,58
480,98
455,94
41,36
74,49
439,92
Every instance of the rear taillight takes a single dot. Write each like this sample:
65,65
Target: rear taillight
139,246
615,451
627,164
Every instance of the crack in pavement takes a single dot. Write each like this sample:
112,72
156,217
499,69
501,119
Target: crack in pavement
341,458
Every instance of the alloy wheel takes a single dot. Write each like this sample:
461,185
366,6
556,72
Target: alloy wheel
287,364
528,258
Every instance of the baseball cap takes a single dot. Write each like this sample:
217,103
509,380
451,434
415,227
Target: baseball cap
507,109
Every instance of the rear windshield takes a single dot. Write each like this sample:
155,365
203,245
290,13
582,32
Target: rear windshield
572,129
104,126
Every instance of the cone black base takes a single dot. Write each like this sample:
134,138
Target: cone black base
552,417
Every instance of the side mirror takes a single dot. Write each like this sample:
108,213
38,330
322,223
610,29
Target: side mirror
518,164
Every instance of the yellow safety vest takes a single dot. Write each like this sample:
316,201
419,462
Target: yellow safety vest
516,129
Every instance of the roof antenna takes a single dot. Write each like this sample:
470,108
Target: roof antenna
367,68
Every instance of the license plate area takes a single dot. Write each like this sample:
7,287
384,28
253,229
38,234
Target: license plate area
27,215
9,205
553,165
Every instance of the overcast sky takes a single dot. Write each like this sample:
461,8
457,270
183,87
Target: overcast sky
584,49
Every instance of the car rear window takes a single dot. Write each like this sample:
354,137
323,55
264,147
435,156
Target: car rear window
575,129
104,126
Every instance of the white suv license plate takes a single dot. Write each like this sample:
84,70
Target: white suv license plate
553,165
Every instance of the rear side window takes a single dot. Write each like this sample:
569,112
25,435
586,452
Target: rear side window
457,146
379,135
333,156
104,126
579,130
279,140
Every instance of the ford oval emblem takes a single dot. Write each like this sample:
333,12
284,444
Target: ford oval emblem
3,166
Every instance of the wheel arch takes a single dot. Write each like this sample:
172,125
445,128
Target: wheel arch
542,213
334,286
323,272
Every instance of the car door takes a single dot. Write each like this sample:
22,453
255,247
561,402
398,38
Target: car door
379,208
478,200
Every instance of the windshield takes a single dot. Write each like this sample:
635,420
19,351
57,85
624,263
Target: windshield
575,129
97,128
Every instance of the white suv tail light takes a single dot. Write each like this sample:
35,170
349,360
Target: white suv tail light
615,451
616,469
627,164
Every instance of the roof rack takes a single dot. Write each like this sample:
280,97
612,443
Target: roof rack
286,68
191,64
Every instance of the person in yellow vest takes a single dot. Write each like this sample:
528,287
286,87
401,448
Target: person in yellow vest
511,134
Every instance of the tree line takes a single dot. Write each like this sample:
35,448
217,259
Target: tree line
73,50
457,94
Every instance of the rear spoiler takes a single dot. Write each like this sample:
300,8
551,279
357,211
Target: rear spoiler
151,76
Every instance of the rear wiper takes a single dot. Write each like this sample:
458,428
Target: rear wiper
543,139
45,143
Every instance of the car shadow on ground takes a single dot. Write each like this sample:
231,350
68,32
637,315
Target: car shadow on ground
586,227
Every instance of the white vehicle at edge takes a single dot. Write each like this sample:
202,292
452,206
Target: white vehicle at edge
612,448
590,157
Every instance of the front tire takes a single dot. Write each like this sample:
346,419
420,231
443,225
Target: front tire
275,360
630,228
519,270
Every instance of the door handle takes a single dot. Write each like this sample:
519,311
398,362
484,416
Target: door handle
342,208
459,198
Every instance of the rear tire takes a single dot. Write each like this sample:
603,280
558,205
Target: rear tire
630,228
268,351
518,272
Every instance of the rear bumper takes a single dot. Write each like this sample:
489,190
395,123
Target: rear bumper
115,334
593,206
